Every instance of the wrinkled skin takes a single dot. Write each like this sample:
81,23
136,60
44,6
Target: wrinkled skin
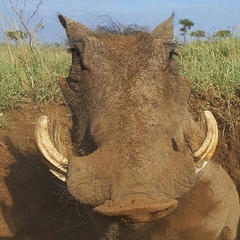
134,140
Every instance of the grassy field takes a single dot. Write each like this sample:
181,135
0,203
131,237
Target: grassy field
27,76
213,66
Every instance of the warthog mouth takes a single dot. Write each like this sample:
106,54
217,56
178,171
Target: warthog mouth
149,217
141,210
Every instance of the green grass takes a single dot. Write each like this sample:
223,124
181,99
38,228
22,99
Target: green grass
213,66
27,76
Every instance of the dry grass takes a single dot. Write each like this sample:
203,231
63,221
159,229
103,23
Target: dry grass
27,76
213,66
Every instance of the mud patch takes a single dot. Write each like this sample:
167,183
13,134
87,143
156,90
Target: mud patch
34,204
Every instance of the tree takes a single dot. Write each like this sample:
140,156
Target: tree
19,9
186,26
16,35
223,34
198,34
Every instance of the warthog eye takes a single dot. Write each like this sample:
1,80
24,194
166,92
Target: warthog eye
77,54
172,53
75,51
174,145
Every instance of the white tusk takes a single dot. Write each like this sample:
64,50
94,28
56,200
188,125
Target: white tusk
205,152
46,147
199,167
59,175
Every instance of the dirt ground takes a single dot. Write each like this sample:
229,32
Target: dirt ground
34,204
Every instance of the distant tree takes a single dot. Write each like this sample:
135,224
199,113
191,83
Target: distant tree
223,34
16,35
198,34
20,8
186,26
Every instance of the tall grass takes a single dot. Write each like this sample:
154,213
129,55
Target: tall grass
27,76
214,66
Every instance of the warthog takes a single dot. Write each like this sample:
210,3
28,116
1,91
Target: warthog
142,161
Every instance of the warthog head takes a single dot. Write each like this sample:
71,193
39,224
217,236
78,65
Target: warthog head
138,149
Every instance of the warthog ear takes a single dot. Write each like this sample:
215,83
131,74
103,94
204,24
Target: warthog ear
165,31
74,30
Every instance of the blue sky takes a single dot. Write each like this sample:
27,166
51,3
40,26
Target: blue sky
208,15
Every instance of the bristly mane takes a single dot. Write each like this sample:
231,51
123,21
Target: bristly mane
108,25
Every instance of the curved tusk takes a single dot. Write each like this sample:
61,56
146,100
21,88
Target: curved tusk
46,147
59,175
205,152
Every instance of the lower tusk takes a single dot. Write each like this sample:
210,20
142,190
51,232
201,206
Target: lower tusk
46,147
207,149
59,175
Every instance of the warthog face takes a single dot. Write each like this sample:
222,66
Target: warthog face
137,147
